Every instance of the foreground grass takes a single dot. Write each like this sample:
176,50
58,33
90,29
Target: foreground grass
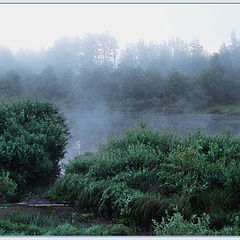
142,177
36,223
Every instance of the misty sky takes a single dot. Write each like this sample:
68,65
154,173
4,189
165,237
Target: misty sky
37,26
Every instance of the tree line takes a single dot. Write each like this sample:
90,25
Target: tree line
93,69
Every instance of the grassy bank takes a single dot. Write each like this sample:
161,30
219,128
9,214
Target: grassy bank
143,182
153,179
17,221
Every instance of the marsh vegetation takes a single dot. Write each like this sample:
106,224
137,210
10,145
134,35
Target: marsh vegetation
84,104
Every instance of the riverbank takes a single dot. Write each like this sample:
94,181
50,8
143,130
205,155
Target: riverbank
159,180
43,217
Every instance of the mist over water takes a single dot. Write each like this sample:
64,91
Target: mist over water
91,128
103,89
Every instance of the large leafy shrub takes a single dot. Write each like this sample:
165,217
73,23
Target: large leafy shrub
112,181
143,173
33,136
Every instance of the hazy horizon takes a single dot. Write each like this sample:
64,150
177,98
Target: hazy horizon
36,27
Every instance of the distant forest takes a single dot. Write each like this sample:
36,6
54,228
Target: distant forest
93,71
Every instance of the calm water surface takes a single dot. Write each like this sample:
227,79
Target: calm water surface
91,128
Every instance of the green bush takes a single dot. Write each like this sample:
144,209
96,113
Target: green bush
204,172
80,164
33,136
116,181
142,173
177,226
7,187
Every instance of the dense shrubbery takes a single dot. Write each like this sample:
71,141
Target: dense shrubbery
33,139
142,174
7,187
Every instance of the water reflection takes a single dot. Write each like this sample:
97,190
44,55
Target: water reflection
90,129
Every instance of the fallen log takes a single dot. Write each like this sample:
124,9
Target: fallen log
42,204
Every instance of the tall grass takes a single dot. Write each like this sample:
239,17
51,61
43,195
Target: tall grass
34,223
143,173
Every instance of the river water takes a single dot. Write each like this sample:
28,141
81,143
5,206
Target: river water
91,128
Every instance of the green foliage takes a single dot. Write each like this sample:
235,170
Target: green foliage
86,217
140,175
33,139
10,84
35,218
7,187
112,181
65,229
165,76
177,86
34,223
177,226
11,228
80,164
120,230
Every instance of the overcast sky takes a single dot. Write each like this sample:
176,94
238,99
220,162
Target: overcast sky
35,26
